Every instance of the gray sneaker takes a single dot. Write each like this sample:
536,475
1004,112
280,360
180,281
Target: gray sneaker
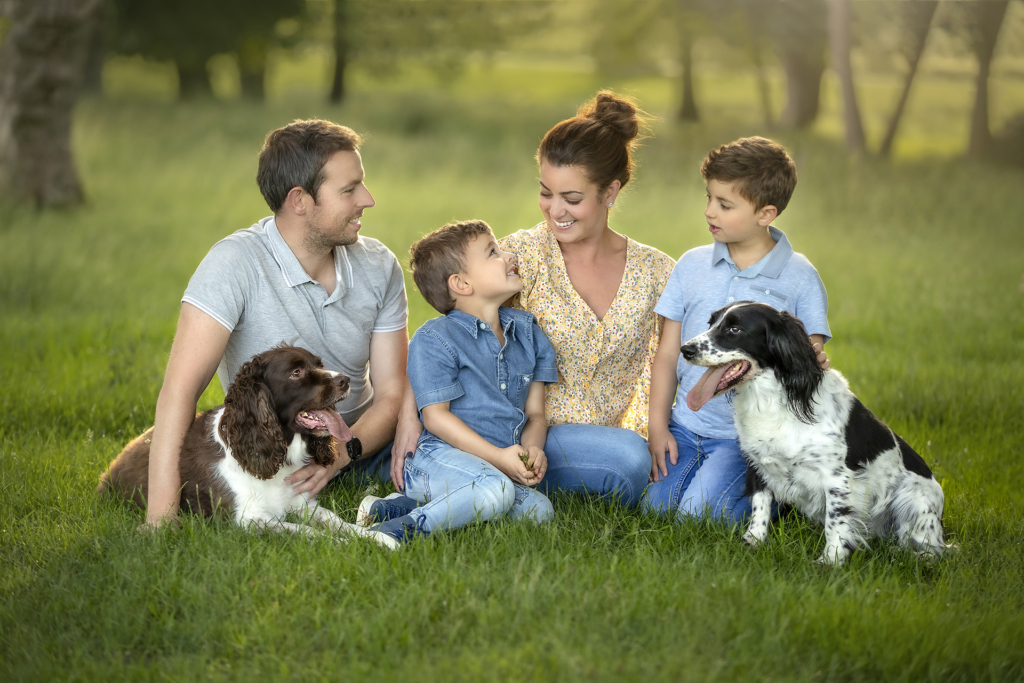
374,509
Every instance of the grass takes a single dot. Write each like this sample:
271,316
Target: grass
924,264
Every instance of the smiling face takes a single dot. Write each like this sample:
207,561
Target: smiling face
492,273
732,219
334,219
573,207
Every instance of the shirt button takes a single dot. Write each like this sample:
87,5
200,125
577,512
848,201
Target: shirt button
735,279
483,326
502,386
730,299
767,291
499,356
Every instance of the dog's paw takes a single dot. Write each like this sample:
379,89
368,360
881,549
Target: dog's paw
752,539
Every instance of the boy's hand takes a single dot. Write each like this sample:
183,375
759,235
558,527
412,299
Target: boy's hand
512,465
823,360
535,461
659,442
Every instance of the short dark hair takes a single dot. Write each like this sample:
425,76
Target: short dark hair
762,171
294,156
439,255
600,140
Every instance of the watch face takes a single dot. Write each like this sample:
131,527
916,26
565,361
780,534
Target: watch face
355,449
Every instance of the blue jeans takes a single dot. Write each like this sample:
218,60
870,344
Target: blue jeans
608,461
370,468
709,479
455,488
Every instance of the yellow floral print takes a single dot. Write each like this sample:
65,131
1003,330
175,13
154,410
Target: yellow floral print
604,366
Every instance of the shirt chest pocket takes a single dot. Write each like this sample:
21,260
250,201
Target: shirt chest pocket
523,383
776,298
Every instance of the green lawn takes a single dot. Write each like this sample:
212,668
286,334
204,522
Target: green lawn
924,265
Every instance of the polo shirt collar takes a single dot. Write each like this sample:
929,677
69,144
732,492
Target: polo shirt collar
292,271
770,265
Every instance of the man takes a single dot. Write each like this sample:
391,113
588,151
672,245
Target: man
306,277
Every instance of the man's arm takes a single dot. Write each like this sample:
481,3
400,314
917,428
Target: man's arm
198,347
406,437
376,428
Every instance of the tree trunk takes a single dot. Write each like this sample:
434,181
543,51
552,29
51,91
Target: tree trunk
920,20
988,19
688,108
42,62
340,51
799,31
840,16
252,67
194,80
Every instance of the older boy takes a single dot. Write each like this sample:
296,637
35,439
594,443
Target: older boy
749,183
478,375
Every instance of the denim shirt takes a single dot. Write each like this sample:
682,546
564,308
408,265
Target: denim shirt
456,358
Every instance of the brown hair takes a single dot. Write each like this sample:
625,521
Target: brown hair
294,156
600,139
764,174
439,255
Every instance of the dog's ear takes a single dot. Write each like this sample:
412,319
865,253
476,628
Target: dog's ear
796,366
251,427
322,450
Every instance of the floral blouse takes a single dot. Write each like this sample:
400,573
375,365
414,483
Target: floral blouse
604,366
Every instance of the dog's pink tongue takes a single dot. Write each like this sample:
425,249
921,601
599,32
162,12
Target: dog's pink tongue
704,391
335,425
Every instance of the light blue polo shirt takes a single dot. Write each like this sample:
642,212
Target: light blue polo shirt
704,280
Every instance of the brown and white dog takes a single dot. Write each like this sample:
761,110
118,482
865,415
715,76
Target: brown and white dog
278,416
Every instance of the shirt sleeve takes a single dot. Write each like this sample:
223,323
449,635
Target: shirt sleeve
546,368
394,313
671,304
433,369
225,279
812,306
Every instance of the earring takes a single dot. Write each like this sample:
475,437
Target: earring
611,204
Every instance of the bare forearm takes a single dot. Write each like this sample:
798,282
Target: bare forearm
454,432
174,417
376,427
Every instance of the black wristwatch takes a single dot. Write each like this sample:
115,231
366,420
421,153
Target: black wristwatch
355,449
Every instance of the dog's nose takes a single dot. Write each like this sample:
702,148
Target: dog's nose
341,381
689,351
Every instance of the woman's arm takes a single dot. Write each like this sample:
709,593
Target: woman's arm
663,391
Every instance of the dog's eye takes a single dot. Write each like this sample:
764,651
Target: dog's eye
297,373
734,330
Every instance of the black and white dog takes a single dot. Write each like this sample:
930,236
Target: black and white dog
808,440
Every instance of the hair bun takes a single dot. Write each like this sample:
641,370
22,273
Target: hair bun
615,111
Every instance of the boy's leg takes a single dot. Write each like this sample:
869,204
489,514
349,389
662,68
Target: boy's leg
454,488
605,460
530,504
718,485
665,494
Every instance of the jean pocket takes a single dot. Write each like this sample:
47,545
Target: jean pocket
416,482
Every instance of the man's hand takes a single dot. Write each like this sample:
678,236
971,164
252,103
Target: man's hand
311,478
407,435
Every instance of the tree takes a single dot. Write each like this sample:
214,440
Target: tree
983,30
918,19
840,17
341,50
798,29
42,61
190,32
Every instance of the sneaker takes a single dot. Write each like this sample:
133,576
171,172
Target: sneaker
396,532
373,509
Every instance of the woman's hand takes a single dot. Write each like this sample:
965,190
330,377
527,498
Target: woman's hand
661,441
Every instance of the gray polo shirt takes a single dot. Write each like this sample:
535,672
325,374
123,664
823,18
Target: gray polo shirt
706,279
252,284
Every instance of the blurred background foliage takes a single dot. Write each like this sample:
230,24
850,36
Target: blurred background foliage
776,64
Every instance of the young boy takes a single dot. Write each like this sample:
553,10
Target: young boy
478,374
749,183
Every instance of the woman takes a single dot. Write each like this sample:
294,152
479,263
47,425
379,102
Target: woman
593,292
